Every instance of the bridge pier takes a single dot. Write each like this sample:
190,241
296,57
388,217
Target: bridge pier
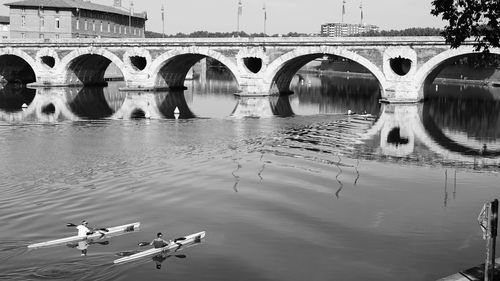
253,86
395,96
140,82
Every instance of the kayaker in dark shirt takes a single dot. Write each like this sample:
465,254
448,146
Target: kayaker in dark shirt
158,242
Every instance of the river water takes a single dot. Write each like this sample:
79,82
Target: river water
389,193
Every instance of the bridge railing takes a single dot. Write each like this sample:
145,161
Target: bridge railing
384,41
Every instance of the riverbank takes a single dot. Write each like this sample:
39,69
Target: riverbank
451,81
337,73
439,80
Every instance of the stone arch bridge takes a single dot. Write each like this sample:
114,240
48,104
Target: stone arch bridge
260,66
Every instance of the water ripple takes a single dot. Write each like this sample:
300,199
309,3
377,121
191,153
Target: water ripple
76,269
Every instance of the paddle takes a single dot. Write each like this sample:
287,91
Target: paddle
141,244
74,245
100,243
69,224
126,254
178,256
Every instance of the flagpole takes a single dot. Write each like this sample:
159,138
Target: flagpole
343,10
130,4
265,17
240,10
39,21
163,20
361,8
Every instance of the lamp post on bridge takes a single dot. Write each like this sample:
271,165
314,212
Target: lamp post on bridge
361,10
163,20
265,17
343,10
130,11
240,12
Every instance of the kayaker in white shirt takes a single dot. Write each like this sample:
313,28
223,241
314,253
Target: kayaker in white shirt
83,230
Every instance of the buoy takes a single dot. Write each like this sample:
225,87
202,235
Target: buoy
177,112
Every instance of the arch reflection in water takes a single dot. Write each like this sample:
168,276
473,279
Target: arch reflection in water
396,126
465,120
47,105
433,132
98,103
94,102
173,104
137,104
20,104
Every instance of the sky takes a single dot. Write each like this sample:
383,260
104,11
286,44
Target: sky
283,16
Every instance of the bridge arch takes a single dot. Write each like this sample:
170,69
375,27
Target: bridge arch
170,68
431,68
281,71
18,66
87,66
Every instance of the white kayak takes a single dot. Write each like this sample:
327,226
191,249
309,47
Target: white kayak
112,231
183,241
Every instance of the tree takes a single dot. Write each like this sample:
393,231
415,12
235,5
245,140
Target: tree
414,31
477,19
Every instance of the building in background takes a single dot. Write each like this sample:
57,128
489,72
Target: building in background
346,29
73,19
4,27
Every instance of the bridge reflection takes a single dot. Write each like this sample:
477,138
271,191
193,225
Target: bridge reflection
21,104
13,97
440,131
467,122
463,128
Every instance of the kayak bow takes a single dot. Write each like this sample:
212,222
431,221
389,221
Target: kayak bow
112,231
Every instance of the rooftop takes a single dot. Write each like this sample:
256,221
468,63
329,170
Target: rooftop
349,24
74,4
